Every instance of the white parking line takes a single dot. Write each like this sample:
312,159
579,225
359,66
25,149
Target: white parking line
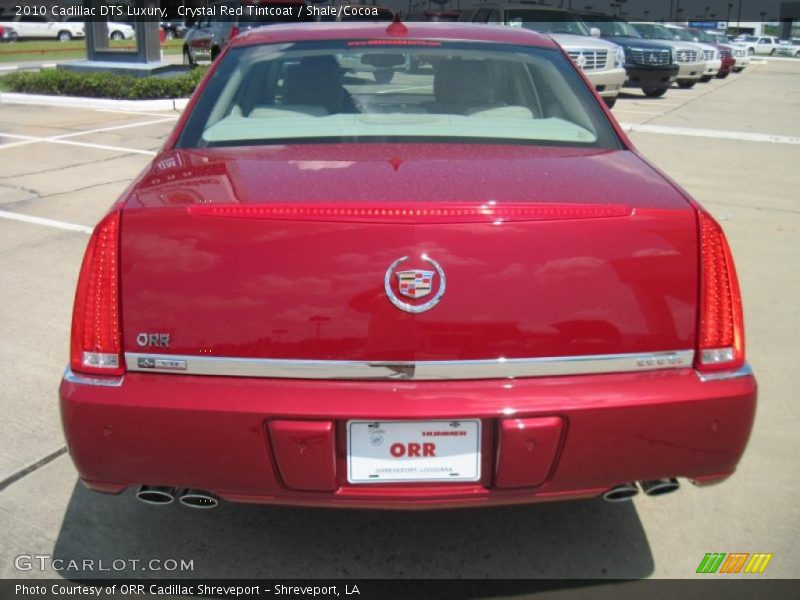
134,112
112,128
636,112
4,214
62,139
743,136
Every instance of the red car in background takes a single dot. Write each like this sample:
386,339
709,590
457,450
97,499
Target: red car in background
462,288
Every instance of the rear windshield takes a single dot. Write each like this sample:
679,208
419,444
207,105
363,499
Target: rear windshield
386,90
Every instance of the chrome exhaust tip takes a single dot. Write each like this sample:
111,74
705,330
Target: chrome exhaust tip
156,494
199,499
659,487
620,493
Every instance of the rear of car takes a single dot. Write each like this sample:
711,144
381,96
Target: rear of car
461,289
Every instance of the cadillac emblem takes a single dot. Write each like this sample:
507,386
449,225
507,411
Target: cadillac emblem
415,284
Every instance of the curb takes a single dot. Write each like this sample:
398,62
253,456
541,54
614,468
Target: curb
174,104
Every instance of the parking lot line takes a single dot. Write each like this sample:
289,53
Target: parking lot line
112,128
12,216
742,136
637,112
135,112
29,139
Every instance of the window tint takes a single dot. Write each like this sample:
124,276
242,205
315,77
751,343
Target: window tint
361,92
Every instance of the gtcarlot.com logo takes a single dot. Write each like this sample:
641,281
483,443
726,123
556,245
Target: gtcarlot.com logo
44,562
735,562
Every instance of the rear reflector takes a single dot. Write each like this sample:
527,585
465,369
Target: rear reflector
95,344
413,213
721,335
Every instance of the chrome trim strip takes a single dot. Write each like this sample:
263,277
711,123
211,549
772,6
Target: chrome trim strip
72,377
744,371
500,368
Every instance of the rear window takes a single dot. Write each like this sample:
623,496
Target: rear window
405,90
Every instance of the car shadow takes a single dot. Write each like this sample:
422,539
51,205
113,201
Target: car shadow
582,539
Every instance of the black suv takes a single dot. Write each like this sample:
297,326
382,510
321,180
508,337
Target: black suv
649,65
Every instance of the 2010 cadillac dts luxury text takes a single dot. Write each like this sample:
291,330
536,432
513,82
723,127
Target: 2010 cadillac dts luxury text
458,286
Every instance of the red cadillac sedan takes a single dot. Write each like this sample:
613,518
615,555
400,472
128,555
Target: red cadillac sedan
464,287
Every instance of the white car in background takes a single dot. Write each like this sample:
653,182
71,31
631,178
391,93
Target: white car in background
688,56
789,48
710,54
33,27
120,31
116,31
763,44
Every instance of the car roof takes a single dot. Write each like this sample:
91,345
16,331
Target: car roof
393,31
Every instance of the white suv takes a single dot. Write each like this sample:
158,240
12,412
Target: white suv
759,44
711,55
32,27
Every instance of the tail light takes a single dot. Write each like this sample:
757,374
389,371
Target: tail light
96,346
233,32
721,335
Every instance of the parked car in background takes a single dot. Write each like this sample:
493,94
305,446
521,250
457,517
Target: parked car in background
204,42
727,59
649,65
34,27
262,316
435,16
688,56
602,61
763,44
116,30
710,52
740,53
7,34
789,48
120,31
174,29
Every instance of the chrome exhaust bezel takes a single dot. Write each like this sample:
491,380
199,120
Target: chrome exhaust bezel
629,489
198,495
659,487
162,494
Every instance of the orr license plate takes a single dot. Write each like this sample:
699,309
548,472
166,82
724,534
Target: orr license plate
413,451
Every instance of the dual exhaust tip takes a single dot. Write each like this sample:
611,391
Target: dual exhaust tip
161,495
653,487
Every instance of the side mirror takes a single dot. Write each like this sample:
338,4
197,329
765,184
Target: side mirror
595,32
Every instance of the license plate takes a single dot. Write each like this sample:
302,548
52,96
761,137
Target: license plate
407,451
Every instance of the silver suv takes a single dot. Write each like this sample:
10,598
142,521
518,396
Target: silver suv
210,35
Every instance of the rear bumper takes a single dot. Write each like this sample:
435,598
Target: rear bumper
211,433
